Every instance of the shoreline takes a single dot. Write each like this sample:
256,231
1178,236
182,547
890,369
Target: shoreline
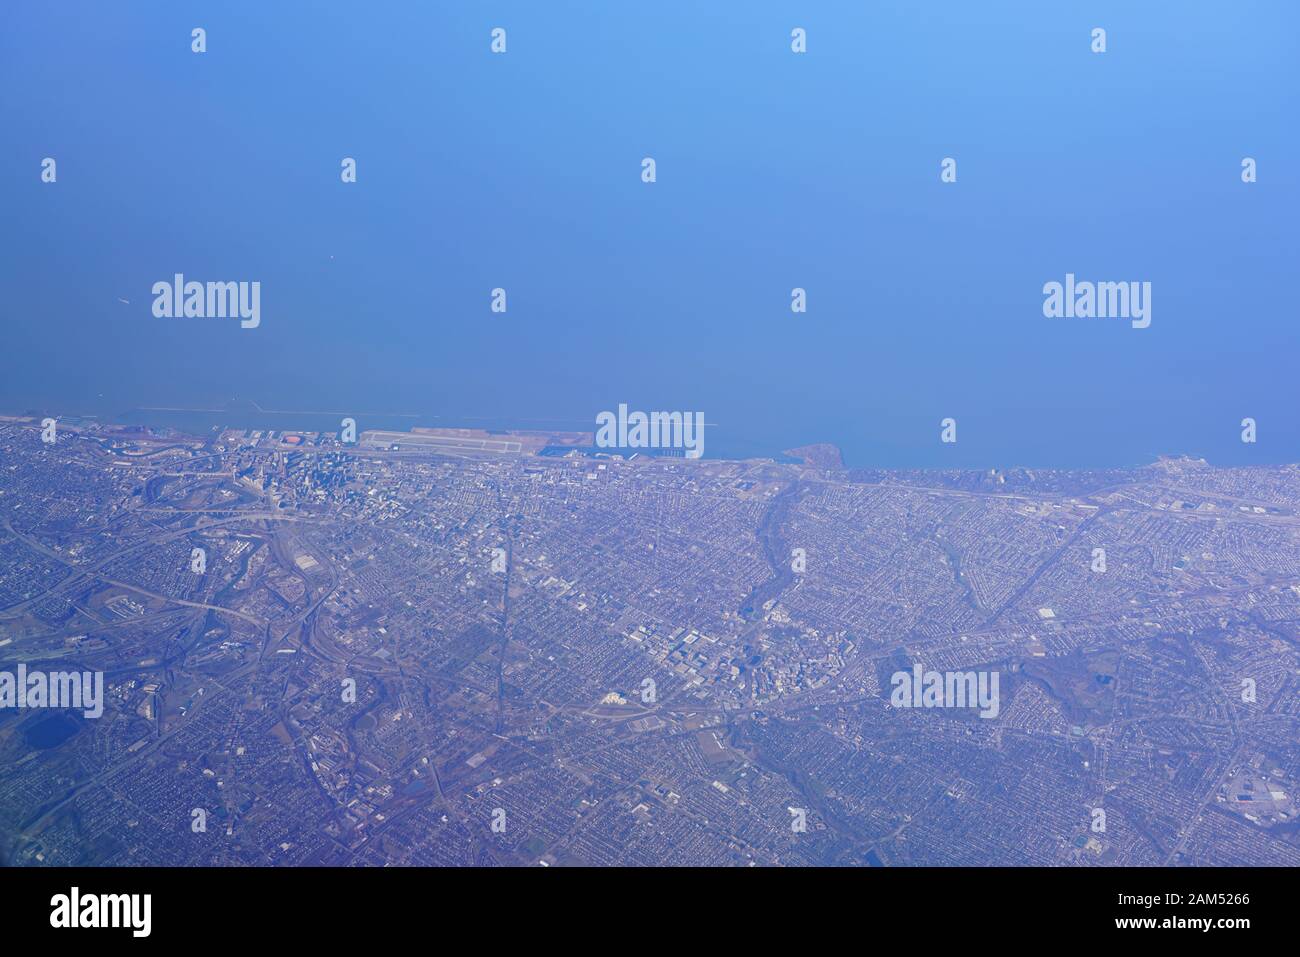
529,441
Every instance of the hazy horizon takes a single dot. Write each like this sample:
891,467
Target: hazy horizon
774,171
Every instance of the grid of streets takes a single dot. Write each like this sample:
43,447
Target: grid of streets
501,615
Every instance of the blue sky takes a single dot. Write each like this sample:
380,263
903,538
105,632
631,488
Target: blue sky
775,170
